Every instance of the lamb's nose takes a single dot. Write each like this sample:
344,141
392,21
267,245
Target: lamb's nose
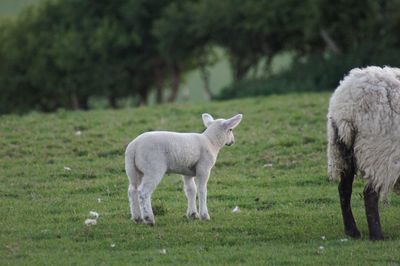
230,143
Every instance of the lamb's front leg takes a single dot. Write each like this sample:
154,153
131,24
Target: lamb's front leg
201,182
190,192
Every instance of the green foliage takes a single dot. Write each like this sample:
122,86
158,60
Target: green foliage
60,53
67,51
275,174
9,8
314,73
352,23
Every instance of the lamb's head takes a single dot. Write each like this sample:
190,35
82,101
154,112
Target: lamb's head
220,131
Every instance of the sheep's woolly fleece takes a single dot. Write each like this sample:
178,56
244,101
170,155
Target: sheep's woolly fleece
365,109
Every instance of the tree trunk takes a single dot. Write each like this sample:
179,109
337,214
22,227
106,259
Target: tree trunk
84,103
112,101
143,93
330,42
159,84
74,101
159,94
239,68
205,76
143,89
79,102
176,79
239,72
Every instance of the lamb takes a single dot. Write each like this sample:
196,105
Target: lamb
364,138
152,154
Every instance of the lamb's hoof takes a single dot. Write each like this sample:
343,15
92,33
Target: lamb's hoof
354,233
149,221
205,217
138,220
193,215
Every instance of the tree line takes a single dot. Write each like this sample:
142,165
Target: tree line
60,53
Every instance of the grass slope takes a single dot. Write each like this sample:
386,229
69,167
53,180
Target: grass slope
275,173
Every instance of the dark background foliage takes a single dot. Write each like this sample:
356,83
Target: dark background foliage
60,53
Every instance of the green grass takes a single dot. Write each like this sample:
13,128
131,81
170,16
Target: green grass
275,173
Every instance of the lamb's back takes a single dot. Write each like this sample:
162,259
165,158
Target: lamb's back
176,152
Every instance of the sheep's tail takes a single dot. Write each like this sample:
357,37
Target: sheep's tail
339,151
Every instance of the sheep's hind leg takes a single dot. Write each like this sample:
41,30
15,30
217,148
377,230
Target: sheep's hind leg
146,188
345,189
190,192
371,201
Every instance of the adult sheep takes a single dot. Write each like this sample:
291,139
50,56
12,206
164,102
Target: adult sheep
364,138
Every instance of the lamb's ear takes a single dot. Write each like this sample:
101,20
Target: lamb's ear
231,123
207,119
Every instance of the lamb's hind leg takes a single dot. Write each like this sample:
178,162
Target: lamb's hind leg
345,190
371,201
146,189
133,194
190,192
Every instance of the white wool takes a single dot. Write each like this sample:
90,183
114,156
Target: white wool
365,109
152,154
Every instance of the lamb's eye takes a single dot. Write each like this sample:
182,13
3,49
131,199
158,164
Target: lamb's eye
230,130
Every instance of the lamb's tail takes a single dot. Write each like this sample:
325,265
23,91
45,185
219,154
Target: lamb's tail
130,167
340,149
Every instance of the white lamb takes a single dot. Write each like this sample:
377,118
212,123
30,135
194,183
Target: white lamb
152,154
364,137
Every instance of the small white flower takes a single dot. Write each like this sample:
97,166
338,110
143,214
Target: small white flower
236,209
90,222
67,168
321,247
93,215
99,200
78,133
323,237
163,251
343,240
112,245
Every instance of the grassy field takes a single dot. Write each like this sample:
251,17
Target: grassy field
275,173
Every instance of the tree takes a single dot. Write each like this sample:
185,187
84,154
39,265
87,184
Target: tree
181,42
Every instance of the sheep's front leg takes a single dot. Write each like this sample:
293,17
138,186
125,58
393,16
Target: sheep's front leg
190,192
201,182
371,200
